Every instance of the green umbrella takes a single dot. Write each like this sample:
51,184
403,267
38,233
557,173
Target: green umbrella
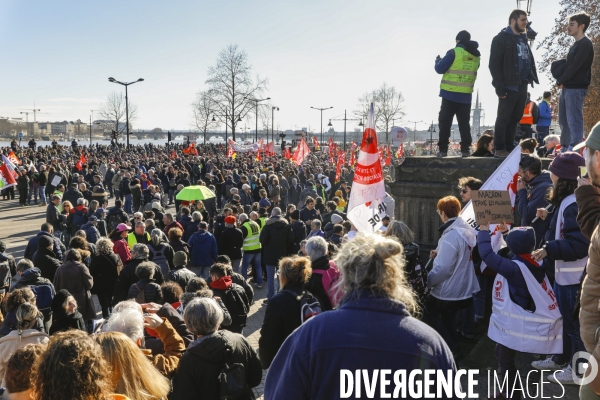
191,193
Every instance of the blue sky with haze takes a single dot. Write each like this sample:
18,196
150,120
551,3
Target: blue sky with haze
315,53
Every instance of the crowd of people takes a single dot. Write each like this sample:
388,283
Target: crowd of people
175,279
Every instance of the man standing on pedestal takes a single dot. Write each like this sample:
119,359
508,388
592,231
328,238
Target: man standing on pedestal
513,68
459,67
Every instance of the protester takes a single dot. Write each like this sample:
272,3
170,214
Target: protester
75,277
231,242
203,250
65,313
377,294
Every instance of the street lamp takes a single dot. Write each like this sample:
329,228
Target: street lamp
256,101
346,119
226,119
273,123
321,109
415,130
113,80
431,130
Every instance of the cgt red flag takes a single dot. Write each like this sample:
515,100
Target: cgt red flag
316,143
388,156
302,151
338,170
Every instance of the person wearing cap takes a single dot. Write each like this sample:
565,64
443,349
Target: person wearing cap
92,234
180,274
532,186
334,219
565,252
512,67
231,242
525,316
119,238
588,218
459,68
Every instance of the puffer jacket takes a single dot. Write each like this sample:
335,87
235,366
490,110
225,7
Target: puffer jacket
200,366
180,275
529,200
151,290
453,274
588,218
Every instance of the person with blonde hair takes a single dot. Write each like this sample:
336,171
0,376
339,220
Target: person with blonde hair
284,311
376,294
24,334
132,374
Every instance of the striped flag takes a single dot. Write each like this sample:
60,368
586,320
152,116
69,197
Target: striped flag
7,174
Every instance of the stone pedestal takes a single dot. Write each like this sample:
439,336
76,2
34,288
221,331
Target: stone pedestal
422,181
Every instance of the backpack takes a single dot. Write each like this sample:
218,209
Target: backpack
44,293
309,305
329,278
111,222
79,218
140,297
232,378
159,258
237,307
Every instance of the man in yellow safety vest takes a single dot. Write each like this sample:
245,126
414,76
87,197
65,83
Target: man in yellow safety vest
459,68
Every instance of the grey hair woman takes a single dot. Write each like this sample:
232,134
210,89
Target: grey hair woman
203,316
400,231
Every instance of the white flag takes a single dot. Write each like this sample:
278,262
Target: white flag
365,206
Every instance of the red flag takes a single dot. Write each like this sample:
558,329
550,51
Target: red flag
352,158
7,174
316,143
258,157
388,155
302,151
193,150
80,162
172,154
229,151
13,158
400,151
340,163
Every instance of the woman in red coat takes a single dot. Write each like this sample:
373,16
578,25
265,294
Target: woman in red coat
119,238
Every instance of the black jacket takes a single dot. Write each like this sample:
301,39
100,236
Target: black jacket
277,240
282,317
231,242
47,263
61,321
238,279
578,70
53,216
299,229
181,275
72,195
152,293
315,284
127,278
32,246
197,376
504,62
105,271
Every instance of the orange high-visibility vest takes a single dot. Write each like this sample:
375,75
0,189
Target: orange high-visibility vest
527,114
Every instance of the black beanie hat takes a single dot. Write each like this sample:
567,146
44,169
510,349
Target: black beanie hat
463,36
521,240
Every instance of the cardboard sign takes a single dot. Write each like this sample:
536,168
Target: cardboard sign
491,206
56,180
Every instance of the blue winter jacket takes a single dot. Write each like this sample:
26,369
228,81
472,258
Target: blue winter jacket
574,246
32,246
517,287
204,249
545,118
527,205
367,332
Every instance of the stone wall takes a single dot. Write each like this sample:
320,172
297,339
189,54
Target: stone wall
422,181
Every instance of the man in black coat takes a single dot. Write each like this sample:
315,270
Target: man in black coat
299,229
72,194
231,241
512,68
53,216
277,241
127,277
45,259
33,244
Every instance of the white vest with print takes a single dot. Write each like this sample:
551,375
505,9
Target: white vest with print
518,329
567,273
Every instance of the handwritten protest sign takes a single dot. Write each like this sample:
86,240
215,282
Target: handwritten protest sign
491,206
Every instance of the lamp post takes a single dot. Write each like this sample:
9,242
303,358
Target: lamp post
431,130
415,130
256,101
346,119
321,109
226,119
113,80
273,122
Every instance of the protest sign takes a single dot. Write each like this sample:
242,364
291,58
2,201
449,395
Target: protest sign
491,206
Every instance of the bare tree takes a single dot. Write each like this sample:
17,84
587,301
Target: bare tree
114,110
232,87
388,106
204,109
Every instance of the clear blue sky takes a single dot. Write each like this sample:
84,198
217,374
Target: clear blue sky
315,53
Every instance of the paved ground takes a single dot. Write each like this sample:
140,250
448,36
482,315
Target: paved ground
17,224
